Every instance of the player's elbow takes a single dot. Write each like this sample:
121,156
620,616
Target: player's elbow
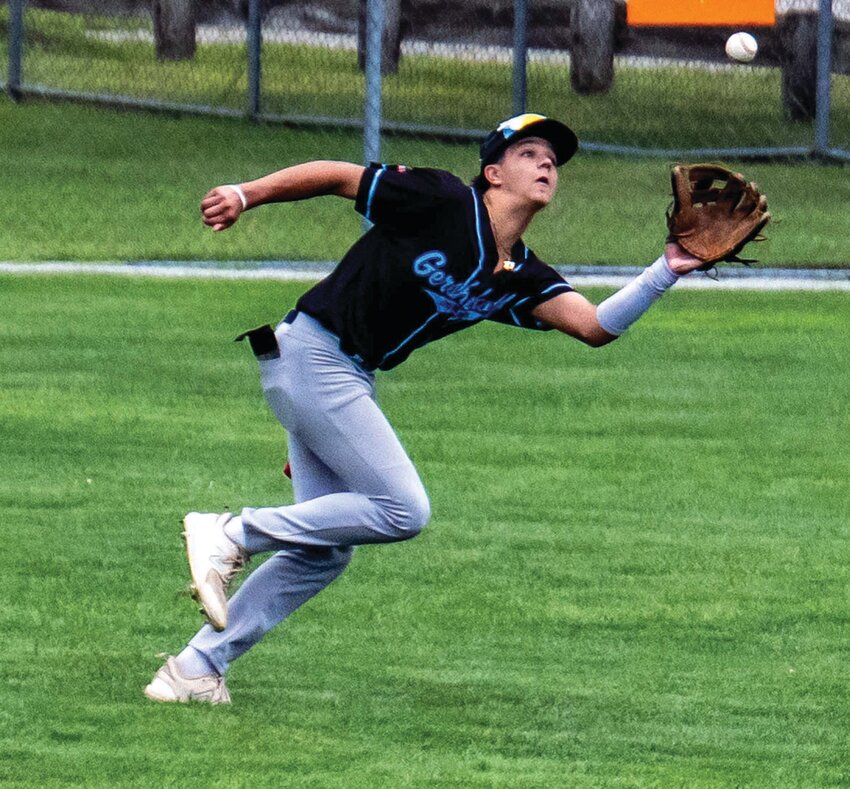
591,334
574,315
598,338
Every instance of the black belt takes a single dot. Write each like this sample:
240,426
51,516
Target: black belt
263,341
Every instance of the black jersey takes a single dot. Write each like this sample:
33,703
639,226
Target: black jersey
424,270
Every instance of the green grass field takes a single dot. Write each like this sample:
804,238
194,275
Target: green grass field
635,575
89,184
636,570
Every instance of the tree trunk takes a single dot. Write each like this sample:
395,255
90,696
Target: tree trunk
592,50
390,39
798,42
174,23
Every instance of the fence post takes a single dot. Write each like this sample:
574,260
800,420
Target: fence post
16,48
520,55
372,110
255,45
175,25
824,74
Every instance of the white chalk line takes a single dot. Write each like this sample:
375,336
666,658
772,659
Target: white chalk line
161,271
299,271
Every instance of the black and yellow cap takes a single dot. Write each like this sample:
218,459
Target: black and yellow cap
562,138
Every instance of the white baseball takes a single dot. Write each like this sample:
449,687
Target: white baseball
741,47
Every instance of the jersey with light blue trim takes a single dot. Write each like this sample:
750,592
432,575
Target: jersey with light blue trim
424,270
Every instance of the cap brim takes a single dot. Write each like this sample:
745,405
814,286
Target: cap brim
560,136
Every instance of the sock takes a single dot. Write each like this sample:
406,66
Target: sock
234,530
193,664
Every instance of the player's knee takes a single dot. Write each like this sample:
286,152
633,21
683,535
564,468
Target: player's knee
420,513
409,513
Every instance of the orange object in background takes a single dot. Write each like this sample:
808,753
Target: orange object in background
694,13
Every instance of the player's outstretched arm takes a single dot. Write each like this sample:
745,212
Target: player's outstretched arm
571,313
223,205
595,325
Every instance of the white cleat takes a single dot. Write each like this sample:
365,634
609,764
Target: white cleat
169,685
214,559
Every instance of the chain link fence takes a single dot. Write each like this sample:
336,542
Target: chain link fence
451,69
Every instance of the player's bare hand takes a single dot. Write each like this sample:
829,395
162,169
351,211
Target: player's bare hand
221,207
681,262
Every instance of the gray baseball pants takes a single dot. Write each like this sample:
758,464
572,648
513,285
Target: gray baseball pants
353,484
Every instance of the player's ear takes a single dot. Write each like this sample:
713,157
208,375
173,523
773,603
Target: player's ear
493,174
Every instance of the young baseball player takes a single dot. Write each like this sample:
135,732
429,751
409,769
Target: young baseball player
440,256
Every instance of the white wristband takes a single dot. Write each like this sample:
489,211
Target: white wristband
238,189
621,309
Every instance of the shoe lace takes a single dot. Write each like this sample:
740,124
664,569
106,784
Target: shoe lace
232,565
220,691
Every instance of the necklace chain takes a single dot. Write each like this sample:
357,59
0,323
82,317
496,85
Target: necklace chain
502,252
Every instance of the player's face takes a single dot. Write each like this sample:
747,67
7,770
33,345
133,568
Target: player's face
528,169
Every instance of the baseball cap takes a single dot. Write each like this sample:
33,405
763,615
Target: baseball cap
562,138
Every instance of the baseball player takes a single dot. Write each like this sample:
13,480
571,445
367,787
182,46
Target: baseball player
439,257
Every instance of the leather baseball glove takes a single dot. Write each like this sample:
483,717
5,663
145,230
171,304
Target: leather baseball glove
715,212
